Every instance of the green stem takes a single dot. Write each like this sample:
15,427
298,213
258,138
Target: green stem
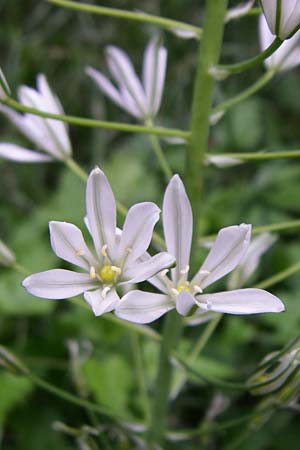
222,71
19,268
282,226
280,276
84,122
141,378
259,84
164,165
202,100
261,156
128,15
171,335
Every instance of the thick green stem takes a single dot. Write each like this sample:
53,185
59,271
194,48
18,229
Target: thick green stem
93,123
222,71
202,100
168,24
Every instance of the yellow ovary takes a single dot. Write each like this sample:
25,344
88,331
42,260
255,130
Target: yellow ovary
183,287
107,274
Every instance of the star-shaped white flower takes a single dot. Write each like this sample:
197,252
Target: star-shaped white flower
48,135
187,294
117,253
140,99
288,54
283,16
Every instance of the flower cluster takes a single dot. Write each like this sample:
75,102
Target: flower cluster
121,259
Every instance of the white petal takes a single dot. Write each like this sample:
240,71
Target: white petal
228,250
58,284
184,302
102,303
154,72
290,17
241,301
178,224
222,162
143,307
105,85
157,281
200,317
137,231
122,69
249,263
239,11
142,271
270,12
14,152
68,243
101,212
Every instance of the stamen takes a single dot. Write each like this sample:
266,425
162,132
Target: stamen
204,272
197,289
174,291
116,269
185,270
164,272
79,253
129,249
105,292
92,273
103,250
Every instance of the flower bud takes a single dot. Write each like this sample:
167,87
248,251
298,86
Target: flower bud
7,258
4,88
283,16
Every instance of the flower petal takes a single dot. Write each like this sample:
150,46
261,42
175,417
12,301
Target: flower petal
101,212
156,281
142,271
184,303
178,224
229,248
68,243
100,303
154,72
143,307
137,231
14,152
241,301
105,85
123,71
58,284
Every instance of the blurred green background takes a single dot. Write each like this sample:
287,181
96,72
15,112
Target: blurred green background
37,37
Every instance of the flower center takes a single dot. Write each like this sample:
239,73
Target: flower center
107,273
183,287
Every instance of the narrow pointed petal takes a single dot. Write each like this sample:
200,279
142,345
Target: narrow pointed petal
241,301
270,12
143,271
137,231
178,224
123,71
184,303
228,250
154,72
68,243
105,85
16,153
143,307
156,281
101,212
58,284
100,303
290,17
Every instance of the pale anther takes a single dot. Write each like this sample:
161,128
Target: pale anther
164,272
79,253
185,270
197,289
174,291
204,272
92,273
116,269
103,250
105,291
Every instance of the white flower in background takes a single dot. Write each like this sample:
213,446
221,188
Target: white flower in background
250,262
288,54
228,250
7,258
117,261
4,87
239,11
48,135
140,99
283,16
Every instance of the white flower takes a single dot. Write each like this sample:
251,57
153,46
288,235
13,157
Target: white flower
239,11
249,263
141,100
4,87
228,250
283,16
49,135
117,254
288,54
7,258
